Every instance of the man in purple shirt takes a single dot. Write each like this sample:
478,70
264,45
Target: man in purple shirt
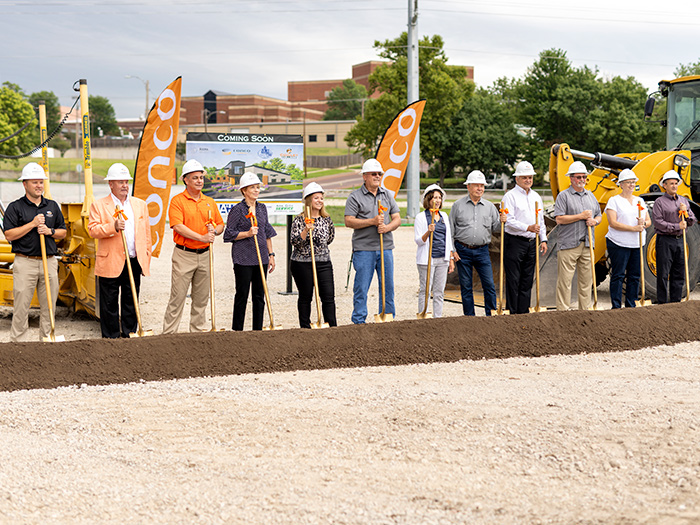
669,226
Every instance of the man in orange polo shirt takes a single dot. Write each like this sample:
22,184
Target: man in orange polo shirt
193,234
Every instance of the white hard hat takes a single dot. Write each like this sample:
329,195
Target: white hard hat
577,167
33,171
118,171
433,187
191,166
311,188
475,177
670,174
627,174
524,169
372,166
248,179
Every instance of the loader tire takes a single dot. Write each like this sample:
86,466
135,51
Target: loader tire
693,240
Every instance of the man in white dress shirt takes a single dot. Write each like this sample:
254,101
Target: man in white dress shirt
521,230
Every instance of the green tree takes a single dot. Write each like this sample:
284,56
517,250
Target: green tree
444,86
53,107
15,112
345,102
102,116
556,102
482,136
686,70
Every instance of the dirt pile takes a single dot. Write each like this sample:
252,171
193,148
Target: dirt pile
94,362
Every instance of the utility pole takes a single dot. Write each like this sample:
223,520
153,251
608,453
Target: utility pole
413,168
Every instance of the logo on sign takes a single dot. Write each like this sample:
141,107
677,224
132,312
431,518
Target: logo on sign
265,153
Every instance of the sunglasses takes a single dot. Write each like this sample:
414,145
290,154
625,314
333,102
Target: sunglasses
579,177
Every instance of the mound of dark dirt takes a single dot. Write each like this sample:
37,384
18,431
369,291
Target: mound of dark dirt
48,365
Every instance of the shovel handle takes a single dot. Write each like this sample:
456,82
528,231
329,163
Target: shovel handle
592,252
45,264
130,271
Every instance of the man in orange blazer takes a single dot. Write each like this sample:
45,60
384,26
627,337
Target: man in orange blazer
110,263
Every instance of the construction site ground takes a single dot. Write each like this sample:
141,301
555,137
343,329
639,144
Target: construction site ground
556,417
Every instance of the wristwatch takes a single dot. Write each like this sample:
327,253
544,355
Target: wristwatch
272,254
53,232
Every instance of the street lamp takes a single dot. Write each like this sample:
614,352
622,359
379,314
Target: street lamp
206,113
145,83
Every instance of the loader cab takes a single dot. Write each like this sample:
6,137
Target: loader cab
683,122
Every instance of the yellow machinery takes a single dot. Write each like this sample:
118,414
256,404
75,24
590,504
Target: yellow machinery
76,268
682,154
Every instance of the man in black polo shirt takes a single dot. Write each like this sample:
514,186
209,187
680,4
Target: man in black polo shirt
26,219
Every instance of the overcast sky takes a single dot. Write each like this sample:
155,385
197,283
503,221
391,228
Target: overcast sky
253,46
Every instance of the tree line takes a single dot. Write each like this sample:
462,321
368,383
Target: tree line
491,128
17,109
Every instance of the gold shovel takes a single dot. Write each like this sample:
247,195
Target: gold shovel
643,301
501,310
52,338
424,314
211,283
537,262
595,288
320,323
141,332
254,222
382,317
684,216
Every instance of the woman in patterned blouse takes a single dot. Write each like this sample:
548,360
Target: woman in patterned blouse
323,233
240,231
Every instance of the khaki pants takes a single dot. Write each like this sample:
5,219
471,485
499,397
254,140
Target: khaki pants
28,275
575,259
188,267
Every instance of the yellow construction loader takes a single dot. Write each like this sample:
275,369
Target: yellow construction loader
76,268
682,154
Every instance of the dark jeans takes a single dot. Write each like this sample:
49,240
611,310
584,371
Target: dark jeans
480,260
304,279
519,265
670,269
110,288
624,263
247,278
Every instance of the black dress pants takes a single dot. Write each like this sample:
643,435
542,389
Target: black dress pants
302,272
247,278
670,268
110,290
519,265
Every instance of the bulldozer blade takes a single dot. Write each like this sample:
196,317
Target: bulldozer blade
54,339
383,318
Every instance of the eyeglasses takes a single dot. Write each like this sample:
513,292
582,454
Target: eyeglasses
579,177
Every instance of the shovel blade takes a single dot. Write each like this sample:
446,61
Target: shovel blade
424,315
271,327
54,339
643,302
141,333
315,326
502,312
383,318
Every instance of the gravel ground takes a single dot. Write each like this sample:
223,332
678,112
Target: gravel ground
593,438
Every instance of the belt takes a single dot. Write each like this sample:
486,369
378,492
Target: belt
32,256
520,237
671,235
192,250
470,246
